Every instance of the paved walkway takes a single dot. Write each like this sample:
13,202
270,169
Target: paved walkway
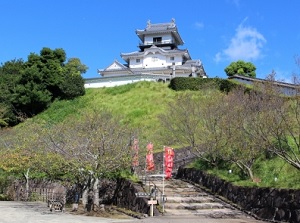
36,212
193,219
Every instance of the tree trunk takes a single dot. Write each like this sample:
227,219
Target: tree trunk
26,175
96,192
250,173
85,196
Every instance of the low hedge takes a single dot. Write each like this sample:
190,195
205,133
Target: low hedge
196,84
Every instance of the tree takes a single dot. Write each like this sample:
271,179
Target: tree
96,145
23,156
10,73
28,88
242,115
18,157
31,96
281,125
187,121
3,118
219,127
62,79
214,124
72,84
241,67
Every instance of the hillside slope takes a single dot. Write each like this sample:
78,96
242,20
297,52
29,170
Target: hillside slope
138,104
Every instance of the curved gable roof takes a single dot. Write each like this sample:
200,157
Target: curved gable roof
160,28
116,65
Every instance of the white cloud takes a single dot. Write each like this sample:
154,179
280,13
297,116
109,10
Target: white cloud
236,3
246,44
199,25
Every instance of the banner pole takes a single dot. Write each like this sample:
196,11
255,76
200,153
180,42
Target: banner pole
163,178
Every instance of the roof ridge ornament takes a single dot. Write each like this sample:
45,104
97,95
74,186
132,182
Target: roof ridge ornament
172,25
148,23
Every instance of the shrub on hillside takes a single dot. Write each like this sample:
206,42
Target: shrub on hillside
196,84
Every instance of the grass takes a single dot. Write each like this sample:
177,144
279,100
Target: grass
140,104
272,172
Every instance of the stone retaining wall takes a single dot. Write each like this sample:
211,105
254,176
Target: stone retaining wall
125,196
265,203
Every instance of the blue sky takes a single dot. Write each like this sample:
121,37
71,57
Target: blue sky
218,32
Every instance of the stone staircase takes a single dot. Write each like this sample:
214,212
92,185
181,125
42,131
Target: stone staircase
183,198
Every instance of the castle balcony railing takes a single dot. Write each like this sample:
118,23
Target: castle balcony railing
164,42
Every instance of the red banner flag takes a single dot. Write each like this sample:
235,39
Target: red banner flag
169,161
149,157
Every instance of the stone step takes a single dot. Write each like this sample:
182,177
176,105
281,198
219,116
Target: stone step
216,213
180,199
187,194
183,198
193,206
172,184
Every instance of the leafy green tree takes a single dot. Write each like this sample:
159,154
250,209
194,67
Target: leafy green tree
242,68
74,67
72,84
3,118
49,66
28,88
10,73
31,97
62,79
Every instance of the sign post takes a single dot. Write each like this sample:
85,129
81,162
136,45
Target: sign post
152,202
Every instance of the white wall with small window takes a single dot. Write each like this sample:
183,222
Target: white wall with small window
154,60
136,63
166,38
174,60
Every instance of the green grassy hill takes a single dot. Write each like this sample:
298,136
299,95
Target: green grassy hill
139,104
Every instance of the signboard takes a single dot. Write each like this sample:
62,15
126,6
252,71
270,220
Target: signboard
142,194
152,202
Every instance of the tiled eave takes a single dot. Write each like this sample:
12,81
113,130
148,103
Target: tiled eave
142,33
136,54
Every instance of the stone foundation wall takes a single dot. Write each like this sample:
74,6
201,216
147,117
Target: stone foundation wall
125,196
265,203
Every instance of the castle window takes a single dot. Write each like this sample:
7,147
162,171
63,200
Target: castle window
171,58
138,60
157,39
